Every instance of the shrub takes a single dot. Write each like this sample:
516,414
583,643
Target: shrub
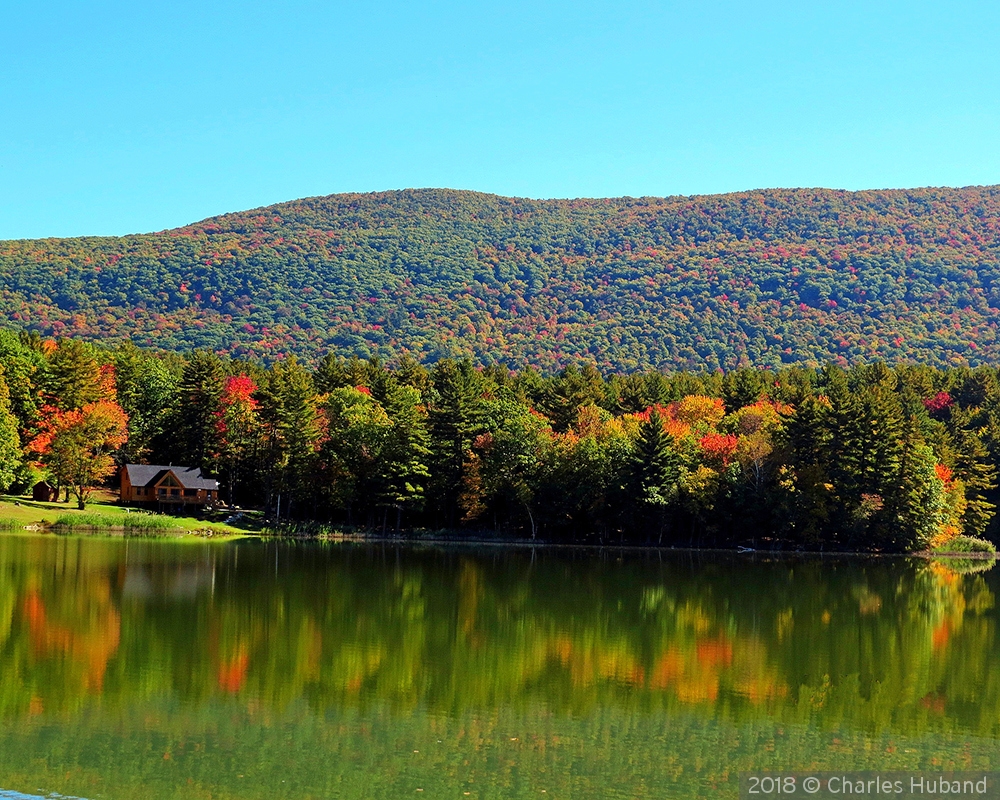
966,544
130,523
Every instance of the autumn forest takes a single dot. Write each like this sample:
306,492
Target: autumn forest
868,458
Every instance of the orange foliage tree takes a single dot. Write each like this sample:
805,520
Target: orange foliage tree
77,445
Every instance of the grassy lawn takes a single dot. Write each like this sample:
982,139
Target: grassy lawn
20,512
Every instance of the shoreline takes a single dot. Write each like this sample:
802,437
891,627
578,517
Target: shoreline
443,538
378,538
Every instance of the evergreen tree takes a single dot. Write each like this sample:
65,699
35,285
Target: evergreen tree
456,418
978,474
565,395
238,427
405,470
146,390
657,471
743,387
410,372
975,388
330,374
915,512
291,432
191,438
72,376
865,449
806,485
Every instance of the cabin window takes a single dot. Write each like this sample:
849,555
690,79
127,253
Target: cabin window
161,491
190,492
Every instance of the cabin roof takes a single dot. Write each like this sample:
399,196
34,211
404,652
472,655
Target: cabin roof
151,474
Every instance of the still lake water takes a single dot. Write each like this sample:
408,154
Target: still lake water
190,669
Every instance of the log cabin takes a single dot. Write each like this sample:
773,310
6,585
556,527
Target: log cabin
166,487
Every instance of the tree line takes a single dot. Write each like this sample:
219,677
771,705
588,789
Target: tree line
868,458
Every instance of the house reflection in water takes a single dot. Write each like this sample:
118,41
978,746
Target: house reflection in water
177,582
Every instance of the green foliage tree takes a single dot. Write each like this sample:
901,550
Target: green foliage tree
291,433
192,437
507,463
407,453
146,390
456,418
978,475
354,451
657,471
72,376
239,429
21,366
10,441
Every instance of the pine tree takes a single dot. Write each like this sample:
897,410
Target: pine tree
291,432
916,510
742,387
574,388
192,436
456,418
72,376
657,470
146,388
238,426
806,487
407,452
973,467
330,374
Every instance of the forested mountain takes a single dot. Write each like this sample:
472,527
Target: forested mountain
765,277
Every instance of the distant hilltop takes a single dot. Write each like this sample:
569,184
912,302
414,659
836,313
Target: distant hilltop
765,278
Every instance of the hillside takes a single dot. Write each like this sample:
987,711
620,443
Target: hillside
764,277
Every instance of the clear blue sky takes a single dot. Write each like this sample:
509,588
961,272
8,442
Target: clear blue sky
120,117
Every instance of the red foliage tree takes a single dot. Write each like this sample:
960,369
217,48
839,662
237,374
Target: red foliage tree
718,447
77,445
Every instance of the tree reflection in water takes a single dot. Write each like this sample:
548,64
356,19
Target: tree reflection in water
183,666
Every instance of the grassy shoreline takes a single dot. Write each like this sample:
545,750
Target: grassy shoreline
104,516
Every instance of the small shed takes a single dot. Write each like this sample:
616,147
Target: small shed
44,492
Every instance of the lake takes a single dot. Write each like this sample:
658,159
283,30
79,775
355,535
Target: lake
252,669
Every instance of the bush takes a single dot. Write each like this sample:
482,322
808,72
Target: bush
966,544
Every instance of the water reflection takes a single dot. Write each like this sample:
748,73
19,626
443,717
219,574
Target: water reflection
373,648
